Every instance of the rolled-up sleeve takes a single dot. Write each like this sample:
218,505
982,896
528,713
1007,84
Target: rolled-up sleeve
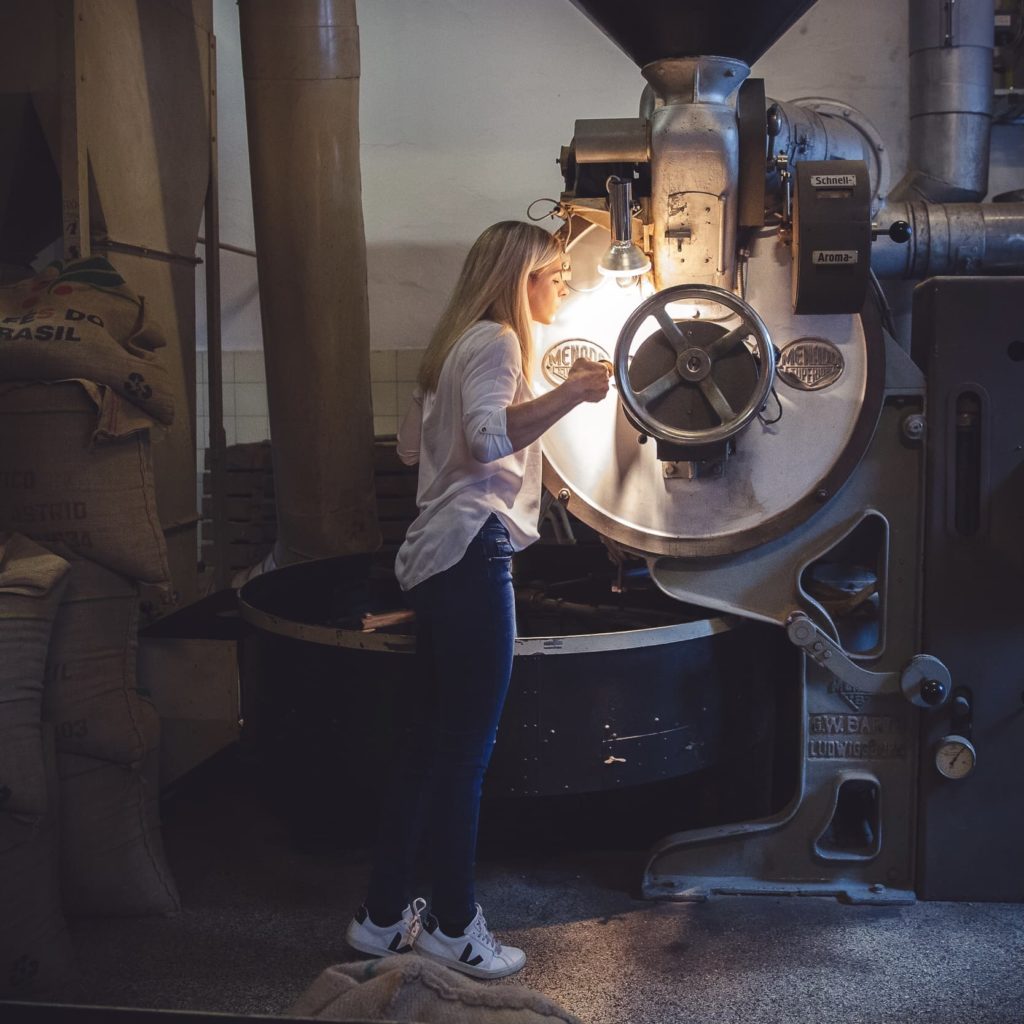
489,384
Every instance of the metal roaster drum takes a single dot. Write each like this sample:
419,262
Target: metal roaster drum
608,691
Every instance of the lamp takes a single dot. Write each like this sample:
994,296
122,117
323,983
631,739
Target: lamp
623,260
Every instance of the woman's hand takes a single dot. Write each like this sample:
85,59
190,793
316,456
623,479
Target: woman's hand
588,379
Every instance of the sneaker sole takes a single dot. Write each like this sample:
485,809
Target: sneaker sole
475,972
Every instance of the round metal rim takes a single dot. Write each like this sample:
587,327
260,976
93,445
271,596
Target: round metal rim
577,643
724,430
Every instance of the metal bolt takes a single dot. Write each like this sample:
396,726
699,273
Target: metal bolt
821,494
564,495
876,887
913,427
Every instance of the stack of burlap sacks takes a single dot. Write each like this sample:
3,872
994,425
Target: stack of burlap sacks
80,393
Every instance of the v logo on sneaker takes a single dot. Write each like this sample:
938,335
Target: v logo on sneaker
467,953
362,934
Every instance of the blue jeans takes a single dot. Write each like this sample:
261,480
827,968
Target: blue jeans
447,721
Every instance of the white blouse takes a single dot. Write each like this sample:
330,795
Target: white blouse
467,466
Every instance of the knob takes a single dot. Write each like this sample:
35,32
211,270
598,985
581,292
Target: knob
961,706
897,231
900,231
933,692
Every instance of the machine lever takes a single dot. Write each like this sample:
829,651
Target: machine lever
898,231
924,681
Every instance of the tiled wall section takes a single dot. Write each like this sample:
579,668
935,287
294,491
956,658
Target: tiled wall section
392,376
392,373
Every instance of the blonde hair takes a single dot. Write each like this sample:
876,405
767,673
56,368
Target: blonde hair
492,286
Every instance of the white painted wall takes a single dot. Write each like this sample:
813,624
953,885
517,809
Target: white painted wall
465,103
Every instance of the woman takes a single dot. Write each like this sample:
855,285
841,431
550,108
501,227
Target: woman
473,427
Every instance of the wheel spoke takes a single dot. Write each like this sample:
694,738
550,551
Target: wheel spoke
670,329
658,388
718,401
727,342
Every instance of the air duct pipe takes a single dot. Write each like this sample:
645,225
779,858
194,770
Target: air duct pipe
950,131
301,64
950,101
951,238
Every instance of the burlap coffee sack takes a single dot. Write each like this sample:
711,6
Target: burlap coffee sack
411,988
76,471
81,320
31,582
91,697
112,861
35,949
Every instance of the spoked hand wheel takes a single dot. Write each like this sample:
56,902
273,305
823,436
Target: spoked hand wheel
694,382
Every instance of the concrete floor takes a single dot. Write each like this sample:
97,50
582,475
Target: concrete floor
261,919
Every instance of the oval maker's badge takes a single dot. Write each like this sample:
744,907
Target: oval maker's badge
558,359
810,364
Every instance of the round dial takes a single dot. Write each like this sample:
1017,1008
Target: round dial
955,757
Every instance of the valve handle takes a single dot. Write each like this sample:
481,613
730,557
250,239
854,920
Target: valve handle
694,365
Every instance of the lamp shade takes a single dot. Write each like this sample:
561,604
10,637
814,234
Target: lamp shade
624,259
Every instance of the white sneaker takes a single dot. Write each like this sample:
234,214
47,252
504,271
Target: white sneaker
364,935
476,951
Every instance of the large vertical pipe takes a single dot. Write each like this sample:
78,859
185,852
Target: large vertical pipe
950,101
301,65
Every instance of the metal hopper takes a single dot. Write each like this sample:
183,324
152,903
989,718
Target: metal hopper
693,28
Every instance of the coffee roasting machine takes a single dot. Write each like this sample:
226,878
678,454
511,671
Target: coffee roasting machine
832,514
774,454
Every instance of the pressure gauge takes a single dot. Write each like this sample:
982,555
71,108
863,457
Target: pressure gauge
955,757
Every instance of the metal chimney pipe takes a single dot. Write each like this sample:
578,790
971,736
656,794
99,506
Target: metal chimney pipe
301,65
950,101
